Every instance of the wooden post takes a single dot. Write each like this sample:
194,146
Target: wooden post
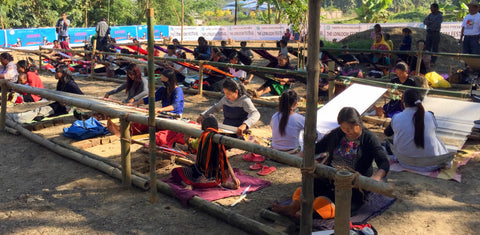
125,141
3,114
343,199
92,60
331,80
200,78
151,108
419,58
313,73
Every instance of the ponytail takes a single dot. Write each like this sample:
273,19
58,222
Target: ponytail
287,101
418,121
413,98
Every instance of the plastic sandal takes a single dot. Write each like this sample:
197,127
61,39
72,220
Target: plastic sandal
257,166
253,157
266,170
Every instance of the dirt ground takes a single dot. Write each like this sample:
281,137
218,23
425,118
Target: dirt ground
44,193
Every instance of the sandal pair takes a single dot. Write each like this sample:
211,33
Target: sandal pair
264,169
253,157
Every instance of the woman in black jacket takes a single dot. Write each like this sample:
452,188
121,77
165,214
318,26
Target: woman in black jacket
65,84
350,146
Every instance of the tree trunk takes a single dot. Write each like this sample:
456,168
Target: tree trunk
176,13
1,22
268,13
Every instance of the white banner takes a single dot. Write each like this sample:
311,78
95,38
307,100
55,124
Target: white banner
340,31
270,31
275,31
190,33
241,32
452,28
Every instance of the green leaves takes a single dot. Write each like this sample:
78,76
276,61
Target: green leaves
373,11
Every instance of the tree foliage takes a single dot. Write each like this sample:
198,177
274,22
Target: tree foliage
373,11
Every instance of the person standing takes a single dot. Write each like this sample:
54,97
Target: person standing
103,30
62,27
433,22
471,29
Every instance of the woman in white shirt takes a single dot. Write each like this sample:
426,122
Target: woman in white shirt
238,74
287,125
415,142
171,54
8,69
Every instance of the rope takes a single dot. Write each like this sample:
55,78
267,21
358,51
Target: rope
347,182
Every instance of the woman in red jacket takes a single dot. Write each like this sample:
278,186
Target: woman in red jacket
33,79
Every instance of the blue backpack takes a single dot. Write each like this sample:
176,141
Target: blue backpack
81,130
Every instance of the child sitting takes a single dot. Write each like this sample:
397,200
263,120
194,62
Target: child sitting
211,167
406,44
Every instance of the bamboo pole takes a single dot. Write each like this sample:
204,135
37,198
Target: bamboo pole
331,80
92,59
313,72
164,155
419,58
249,225
96,157
343,198
200,78
84,159
139,179
151,107
125,151
3,114
321,170
272,216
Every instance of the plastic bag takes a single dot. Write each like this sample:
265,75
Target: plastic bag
436,80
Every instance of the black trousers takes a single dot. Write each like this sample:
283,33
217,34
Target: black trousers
432,41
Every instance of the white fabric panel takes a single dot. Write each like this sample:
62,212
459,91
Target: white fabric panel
359,96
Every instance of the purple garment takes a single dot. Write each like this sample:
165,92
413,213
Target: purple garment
212,194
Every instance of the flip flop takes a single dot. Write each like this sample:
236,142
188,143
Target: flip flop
253,157
266,170
256,166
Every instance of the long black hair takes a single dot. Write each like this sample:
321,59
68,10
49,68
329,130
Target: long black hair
349,115
170,85
233,86
287,101
413,98
28,67
66,76
7,56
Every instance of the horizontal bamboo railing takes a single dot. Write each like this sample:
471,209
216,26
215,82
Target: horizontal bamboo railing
76,100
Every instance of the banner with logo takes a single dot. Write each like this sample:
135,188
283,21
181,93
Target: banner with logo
160,31
241,32
29,37
270,31
123,33
79,35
